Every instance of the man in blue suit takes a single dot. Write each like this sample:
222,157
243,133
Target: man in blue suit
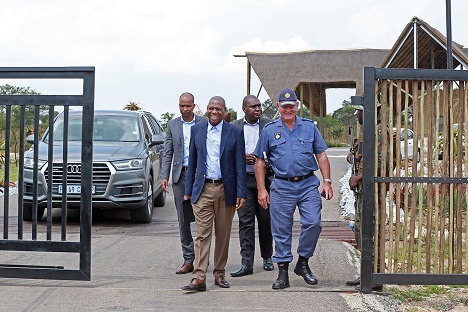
216,184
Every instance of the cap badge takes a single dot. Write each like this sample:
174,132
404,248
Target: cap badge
277,135
296,178
287,95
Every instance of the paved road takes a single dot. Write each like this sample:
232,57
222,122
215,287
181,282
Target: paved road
133,268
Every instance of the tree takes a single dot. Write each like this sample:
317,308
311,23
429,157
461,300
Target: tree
16,115
132,106
345,114
233,114
165,118
269,109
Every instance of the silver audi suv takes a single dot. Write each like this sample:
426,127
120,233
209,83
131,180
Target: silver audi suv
127,158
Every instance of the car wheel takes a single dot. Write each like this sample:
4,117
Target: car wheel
28,212
144,214
160,200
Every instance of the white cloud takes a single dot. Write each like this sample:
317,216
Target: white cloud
151,51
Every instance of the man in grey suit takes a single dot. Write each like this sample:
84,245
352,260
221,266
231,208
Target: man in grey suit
253,123
176,151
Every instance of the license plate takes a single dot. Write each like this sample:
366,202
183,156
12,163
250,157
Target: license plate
74,189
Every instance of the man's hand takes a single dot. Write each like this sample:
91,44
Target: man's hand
240,203
187,197
165,185
327,191
250,159
263,198
349,158
354,181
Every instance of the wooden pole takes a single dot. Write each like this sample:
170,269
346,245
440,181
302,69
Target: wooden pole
398,173
249,76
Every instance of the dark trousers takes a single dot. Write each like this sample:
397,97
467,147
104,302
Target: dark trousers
247,216
186,239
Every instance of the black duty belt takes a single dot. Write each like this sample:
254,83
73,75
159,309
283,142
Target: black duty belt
296,179
251,174
184,168
215,181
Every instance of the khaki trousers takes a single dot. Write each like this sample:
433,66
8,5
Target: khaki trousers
211,206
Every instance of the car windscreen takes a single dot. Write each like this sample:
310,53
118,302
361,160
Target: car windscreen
106,128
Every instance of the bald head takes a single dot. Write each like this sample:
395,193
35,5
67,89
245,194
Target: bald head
186,106
217,98
248,99
187,96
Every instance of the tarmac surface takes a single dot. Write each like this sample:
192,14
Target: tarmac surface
133,269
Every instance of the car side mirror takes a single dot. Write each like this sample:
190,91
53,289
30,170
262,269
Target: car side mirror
156,139
30,139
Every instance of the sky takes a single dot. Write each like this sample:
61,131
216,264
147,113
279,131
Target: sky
150,52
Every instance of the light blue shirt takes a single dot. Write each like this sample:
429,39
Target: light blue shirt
251,135
213,144
186,131
291,152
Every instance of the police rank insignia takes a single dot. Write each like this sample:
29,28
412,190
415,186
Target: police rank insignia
277,135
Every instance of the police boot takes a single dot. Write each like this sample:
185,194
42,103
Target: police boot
302,269
283,278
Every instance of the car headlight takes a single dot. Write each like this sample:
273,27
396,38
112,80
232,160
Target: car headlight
29,163
128,164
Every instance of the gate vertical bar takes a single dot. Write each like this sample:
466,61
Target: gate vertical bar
86,174
50,162
7,172
21,172
368,185
66,114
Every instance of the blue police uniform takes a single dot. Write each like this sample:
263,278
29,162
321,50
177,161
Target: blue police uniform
291,154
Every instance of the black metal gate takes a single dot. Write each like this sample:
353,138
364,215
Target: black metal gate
415,174
36,238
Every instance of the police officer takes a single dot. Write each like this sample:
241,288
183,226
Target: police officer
295,149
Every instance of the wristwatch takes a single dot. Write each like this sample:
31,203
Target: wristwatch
328,180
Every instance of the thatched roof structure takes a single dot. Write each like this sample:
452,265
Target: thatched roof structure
431,49
310,73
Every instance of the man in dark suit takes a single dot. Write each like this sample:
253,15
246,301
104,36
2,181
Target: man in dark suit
176,151
253,123
216,185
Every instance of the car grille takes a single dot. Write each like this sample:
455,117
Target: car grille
100,178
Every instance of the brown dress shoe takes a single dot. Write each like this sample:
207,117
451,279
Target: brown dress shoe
186,268
221,282
195,285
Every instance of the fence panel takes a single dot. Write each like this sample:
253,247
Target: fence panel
415,177
20,220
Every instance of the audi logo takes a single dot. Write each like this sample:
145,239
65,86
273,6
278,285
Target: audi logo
74,169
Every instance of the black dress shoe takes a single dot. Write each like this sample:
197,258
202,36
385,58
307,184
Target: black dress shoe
243,270
354,282
195,285
268,264
221,282
302,269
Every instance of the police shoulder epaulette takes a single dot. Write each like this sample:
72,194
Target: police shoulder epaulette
270,123
309,120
